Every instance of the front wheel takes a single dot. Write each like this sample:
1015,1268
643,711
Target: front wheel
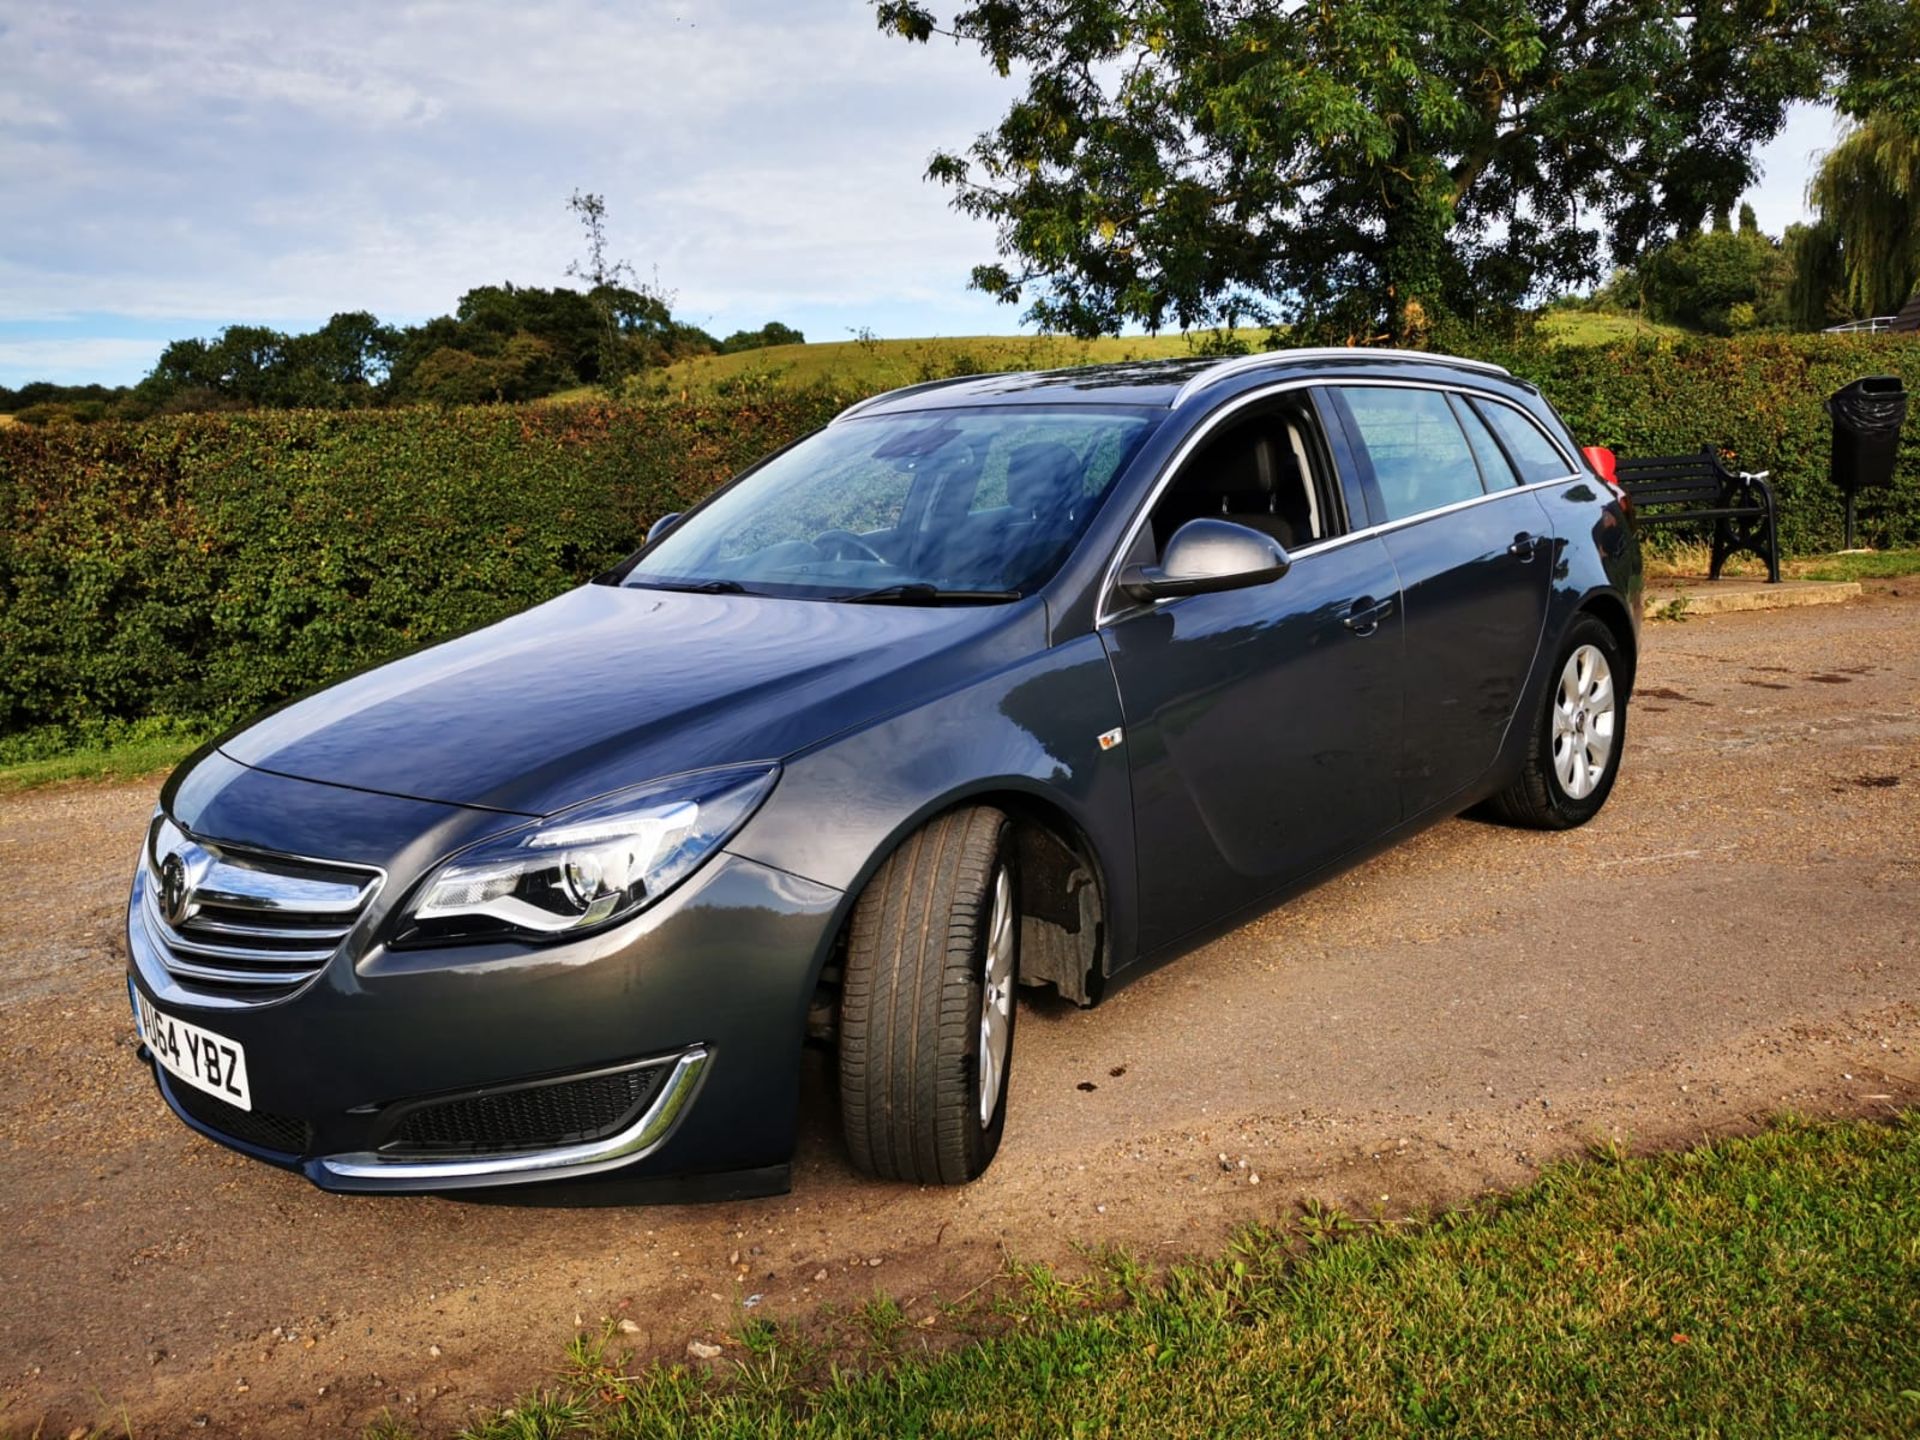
926,1004
1573,754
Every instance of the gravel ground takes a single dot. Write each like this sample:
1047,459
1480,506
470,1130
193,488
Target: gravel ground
1734,936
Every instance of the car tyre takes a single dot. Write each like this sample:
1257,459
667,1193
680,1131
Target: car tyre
1573,754
927,1003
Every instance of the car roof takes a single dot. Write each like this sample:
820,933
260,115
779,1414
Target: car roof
1159,384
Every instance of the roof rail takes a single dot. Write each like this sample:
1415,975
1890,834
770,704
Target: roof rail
1213,374
921,388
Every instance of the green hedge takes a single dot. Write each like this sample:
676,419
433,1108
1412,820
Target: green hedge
198,568
1761,398
191,570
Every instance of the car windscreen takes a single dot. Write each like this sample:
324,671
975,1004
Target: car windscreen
965,504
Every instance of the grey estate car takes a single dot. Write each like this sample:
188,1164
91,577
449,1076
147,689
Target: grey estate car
1009,681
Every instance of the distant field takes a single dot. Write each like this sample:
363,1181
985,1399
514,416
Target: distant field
1579,327
869,365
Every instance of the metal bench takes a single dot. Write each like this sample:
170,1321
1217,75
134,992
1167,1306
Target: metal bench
1690,489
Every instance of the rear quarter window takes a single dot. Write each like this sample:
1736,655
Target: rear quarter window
1534,456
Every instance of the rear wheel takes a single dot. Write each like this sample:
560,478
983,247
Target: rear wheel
926,1006
1573,754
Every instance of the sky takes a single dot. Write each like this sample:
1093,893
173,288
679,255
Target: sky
166,170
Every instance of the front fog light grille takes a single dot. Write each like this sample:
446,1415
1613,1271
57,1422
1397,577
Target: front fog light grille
281,1134
248,926
531,1117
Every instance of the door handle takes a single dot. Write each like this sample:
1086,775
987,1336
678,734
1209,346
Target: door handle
1367,613
1523,547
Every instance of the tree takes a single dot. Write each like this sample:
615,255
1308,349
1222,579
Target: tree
771,333
1362,166
1862,257
342,365
1817,291
1721,280
635,318
523,368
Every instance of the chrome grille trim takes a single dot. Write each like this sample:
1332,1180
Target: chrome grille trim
203,926
239,888
249,926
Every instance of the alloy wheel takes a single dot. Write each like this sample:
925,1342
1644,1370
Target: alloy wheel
1584,718
996,997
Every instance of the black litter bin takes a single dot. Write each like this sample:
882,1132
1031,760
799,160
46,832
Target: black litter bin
1867,416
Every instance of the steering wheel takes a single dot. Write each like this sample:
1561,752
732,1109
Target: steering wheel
845,545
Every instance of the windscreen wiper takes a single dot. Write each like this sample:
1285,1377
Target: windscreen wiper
922,593
695,587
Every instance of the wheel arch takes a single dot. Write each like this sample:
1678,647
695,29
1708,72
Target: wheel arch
1066,920
1610,610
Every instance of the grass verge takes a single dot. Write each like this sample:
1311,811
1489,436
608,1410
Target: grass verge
126,760
1689,560
1868,565
1763,1286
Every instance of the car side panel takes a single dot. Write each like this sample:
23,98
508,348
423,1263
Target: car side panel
1595,560
1475,611
1263,726
1031,730
1596,563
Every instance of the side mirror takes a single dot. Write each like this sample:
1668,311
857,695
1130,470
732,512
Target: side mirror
662,525
1204,556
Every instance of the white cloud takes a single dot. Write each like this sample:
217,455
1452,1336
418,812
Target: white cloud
198,163
292,160
77,361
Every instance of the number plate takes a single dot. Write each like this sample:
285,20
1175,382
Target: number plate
201,1058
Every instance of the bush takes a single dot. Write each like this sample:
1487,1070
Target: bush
192,569
197,568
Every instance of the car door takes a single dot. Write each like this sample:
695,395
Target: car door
1261,724
1472,550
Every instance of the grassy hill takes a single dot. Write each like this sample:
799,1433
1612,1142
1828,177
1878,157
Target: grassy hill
872,365
865,366
1581,327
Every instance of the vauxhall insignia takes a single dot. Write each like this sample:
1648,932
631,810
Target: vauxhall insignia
176,896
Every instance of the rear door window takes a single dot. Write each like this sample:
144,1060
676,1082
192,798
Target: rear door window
1534,456
1421,459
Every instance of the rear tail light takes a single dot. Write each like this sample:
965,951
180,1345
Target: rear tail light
1601,460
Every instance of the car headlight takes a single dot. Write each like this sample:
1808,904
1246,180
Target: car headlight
585,868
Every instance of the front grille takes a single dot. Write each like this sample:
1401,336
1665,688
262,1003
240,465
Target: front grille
242,924
279,1133
531,1117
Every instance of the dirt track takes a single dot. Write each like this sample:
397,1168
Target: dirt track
1734,936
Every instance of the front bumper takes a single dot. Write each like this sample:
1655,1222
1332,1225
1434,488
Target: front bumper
712,985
